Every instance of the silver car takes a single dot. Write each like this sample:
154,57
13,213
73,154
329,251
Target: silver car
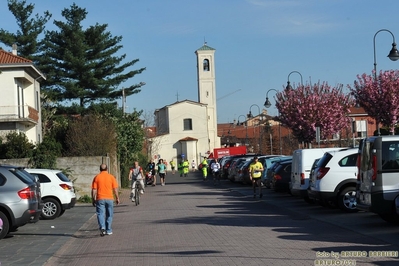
20,199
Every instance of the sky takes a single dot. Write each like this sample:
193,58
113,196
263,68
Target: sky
259,43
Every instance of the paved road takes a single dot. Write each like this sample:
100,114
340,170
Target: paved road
190,222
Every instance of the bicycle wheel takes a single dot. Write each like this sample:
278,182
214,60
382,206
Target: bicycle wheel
136,196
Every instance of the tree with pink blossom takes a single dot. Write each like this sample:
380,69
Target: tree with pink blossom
310,106
379,97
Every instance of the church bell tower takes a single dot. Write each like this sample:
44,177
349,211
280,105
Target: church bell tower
207,90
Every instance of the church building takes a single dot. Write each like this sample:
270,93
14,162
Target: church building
188,129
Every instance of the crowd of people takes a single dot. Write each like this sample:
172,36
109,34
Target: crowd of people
105,185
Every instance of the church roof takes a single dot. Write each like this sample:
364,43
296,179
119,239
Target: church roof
180,102
205,47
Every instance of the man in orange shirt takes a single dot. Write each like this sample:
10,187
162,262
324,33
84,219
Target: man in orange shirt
103,190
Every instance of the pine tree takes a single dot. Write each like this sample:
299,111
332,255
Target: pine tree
81,63
26,38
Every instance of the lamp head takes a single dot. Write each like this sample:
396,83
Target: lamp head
394,53
288,87
267,103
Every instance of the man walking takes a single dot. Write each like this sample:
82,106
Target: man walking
103,190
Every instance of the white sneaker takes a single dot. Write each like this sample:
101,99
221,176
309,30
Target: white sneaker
163,184
141,192
133,200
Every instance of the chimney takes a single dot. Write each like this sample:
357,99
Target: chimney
14,49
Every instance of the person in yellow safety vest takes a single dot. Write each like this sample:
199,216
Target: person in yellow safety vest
180,168
186,165
172,165
204,169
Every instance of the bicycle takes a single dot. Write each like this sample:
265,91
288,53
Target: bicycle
137,189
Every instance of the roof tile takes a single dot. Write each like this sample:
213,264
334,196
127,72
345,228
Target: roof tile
10,58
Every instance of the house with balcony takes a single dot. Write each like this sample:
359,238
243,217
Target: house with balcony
20,96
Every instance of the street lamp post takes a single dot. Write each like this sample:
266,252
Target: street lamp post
246,128
267,105
288,79
393,55
250,115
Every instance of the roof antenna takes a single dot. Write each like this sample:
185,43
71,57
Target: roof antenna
204,41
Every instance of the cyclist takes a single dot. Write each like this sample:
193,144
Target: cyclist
136,175
215,167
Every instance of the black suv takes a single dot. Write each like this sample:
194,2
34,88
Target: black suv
20,199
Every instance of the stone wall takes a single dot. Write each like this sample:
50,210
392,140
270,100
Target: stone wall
80,170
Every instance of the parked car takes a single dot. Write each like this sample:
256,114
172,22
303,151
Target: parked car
268,162
224,165
243,172
281,176
57,191
302,161
20,199
333,182
227,160
378,182
235,171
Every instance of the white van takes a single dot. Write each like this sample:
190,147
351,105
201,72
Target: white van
302,161
378,177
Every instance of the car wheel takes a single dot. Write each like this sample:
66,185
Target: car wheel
5,225
51,209
347,200
62,212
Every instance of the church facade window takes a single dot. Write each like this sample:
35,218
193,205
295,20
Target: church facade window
206,64
187,124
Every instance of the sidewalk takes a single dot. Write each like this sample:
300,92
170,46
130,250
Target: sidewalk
191,222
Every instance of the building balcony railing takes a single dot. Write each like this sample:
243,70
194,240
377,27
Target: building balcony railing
24,114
